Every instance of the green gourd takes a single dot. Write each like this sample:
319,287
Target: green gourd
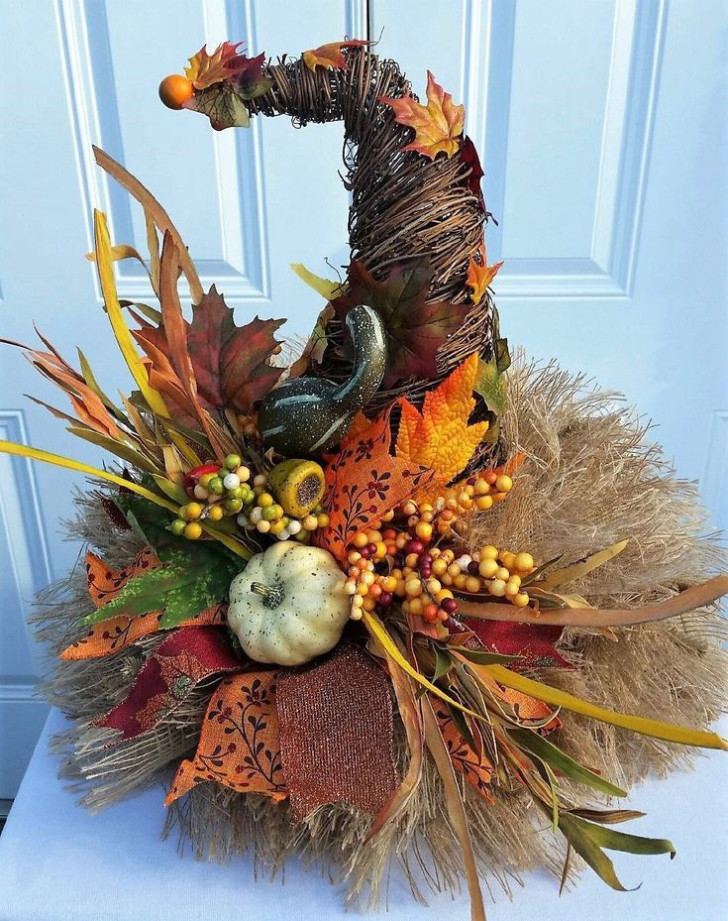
310,415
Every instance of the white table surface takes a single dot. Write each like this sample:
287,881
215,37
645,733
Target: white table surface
60,863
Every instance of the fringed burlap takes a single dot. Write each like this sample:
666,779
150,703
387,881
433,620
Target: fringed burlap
590,478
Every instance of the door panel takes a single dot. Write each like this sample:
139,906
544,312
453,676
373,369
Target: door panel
601,128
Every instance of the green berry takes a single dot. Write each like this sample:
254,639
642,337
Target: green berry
233,505
269,513
177,527
233,461
237,493
215,486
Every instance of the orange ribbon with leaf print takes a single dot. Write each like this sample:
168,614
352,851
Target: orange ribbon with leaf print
239,746
474,766
364,481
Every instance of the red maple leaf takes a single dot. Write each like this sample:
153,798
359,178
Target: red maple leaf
469,155
224,64
230,363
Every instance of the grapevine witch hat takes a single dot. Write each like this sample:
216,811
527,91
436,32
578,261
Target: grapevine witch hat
399,600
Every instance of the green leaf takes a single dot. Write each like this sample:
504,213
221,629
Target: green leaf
443,663
552,755
551,778
151,313
502,354
149,523
90,379
620,841
175,492
490,384
582,842
187,584
483,657
118,448
461,723
588,840
222,105
607,816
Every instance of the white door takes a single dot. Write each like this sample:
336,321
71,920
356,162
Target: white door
601,128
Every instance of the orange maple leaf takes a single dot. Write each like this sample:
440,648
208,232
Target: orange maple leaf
439,437
438,125
223,64
480,274
330,56
364,481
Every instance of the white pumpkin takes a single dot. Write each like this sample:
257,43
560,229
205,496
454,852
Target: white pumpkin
289,605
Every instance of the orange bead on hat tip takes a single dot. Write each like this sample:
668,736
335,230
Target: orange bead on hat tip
175,90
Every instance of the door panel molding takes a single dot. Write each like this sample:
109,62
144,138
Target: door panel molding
489,34
242,266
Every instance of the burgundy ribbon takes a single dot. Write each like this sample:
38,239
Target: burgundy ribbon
179,663
534,642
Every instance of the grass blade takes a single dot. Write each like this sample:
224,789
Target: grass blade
552,755
640,724
456,810
559,577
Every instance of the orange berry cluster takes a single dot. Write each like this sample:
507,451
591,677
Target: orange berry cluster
402,560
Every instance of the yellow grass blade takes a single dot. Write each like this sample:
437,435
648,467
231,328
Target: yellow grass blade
227,541
121,331
120,251
644,726
576,571
327,289
9,447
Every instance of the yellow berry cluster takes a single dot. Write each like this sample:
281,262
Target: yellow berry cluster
403,578
497,572
267,516
217,492
445,512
